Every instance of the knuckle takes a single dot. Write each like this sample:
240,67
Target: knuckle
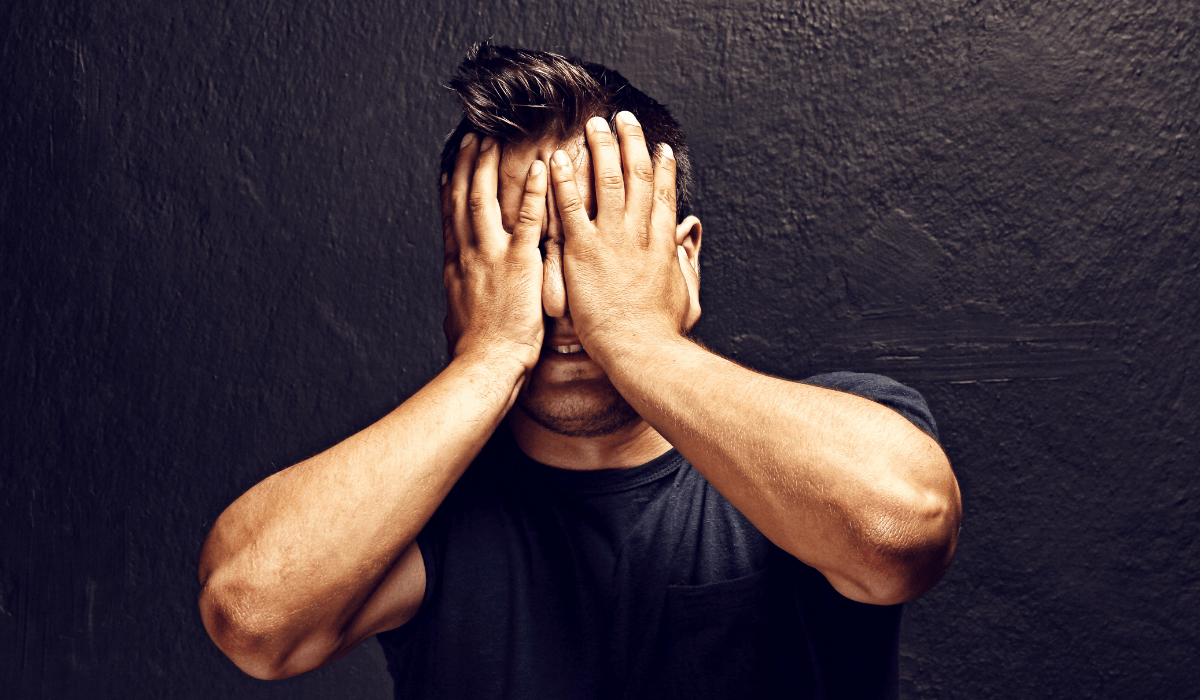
610,179
643,171
529,215
643,233
666,195
477,203
570,203
585,249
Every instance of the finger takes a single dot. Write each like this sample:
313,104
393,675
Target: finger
554,292
606,166
528,231
460,190
662,218
638,172
449,243
571,212
482,202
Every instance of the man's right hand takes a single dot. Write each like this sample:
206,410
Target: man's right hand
318,557
493,278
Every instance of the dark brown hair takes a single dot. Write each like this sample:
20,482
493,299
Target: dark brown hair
519,95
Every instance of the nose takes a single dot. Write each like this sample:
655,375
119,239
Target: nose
554,290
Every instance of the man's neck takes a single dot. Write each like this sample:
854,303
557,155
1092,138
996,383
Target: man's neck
633,445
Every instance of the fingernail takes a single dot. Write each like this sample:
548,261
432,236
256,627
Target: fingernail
536,168
666,151
599,124
628,118
560,159
467,140
444,177
488,143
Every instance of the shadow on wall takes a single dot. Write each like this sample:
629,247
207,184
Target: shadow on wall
892,272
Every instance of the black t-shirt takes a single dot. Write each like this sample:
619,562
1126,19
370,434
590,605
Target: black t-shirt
631,583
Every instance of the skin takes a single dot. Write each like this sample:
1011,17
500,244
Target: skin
318,557
573,387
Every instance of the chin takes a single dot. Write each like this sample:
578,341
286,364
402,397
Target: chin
582,408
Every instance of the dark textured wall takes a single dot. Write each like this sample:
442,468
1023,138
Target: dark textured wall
220,254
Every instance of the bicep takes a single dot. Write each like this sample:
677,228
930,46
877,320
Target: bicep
392,604
396,600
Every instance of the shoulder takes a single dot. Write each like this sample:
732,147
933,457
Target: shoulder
902,399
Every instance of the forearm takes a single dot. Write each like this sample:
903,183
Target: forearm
846,485
300,552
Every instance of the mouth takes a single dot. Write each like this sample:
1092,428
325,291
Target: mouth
563,360
565,347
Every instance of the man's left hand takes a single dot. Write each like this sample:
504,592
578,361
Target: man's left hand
842,483
628,280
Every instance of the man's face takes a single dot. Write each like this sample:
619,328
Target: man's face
567,392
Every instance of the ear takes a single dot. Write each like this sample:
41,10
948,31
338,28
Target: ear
687,236
687,244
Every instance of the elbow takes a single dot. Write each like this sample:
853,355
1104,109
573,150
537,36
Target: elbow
250,617
907,547
242,613
905,567
250,641
911,554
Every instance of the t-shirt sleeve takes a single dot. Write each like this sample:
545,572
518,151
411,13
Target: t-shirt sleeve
902,399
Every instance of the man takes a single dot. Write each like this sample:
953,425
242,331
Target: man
586,503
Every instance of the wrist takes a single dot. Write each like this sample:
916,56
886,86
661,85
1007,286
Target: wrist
642,351
504,361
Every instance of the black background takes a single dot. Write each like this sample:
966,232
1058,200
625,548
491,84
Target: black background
221,254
